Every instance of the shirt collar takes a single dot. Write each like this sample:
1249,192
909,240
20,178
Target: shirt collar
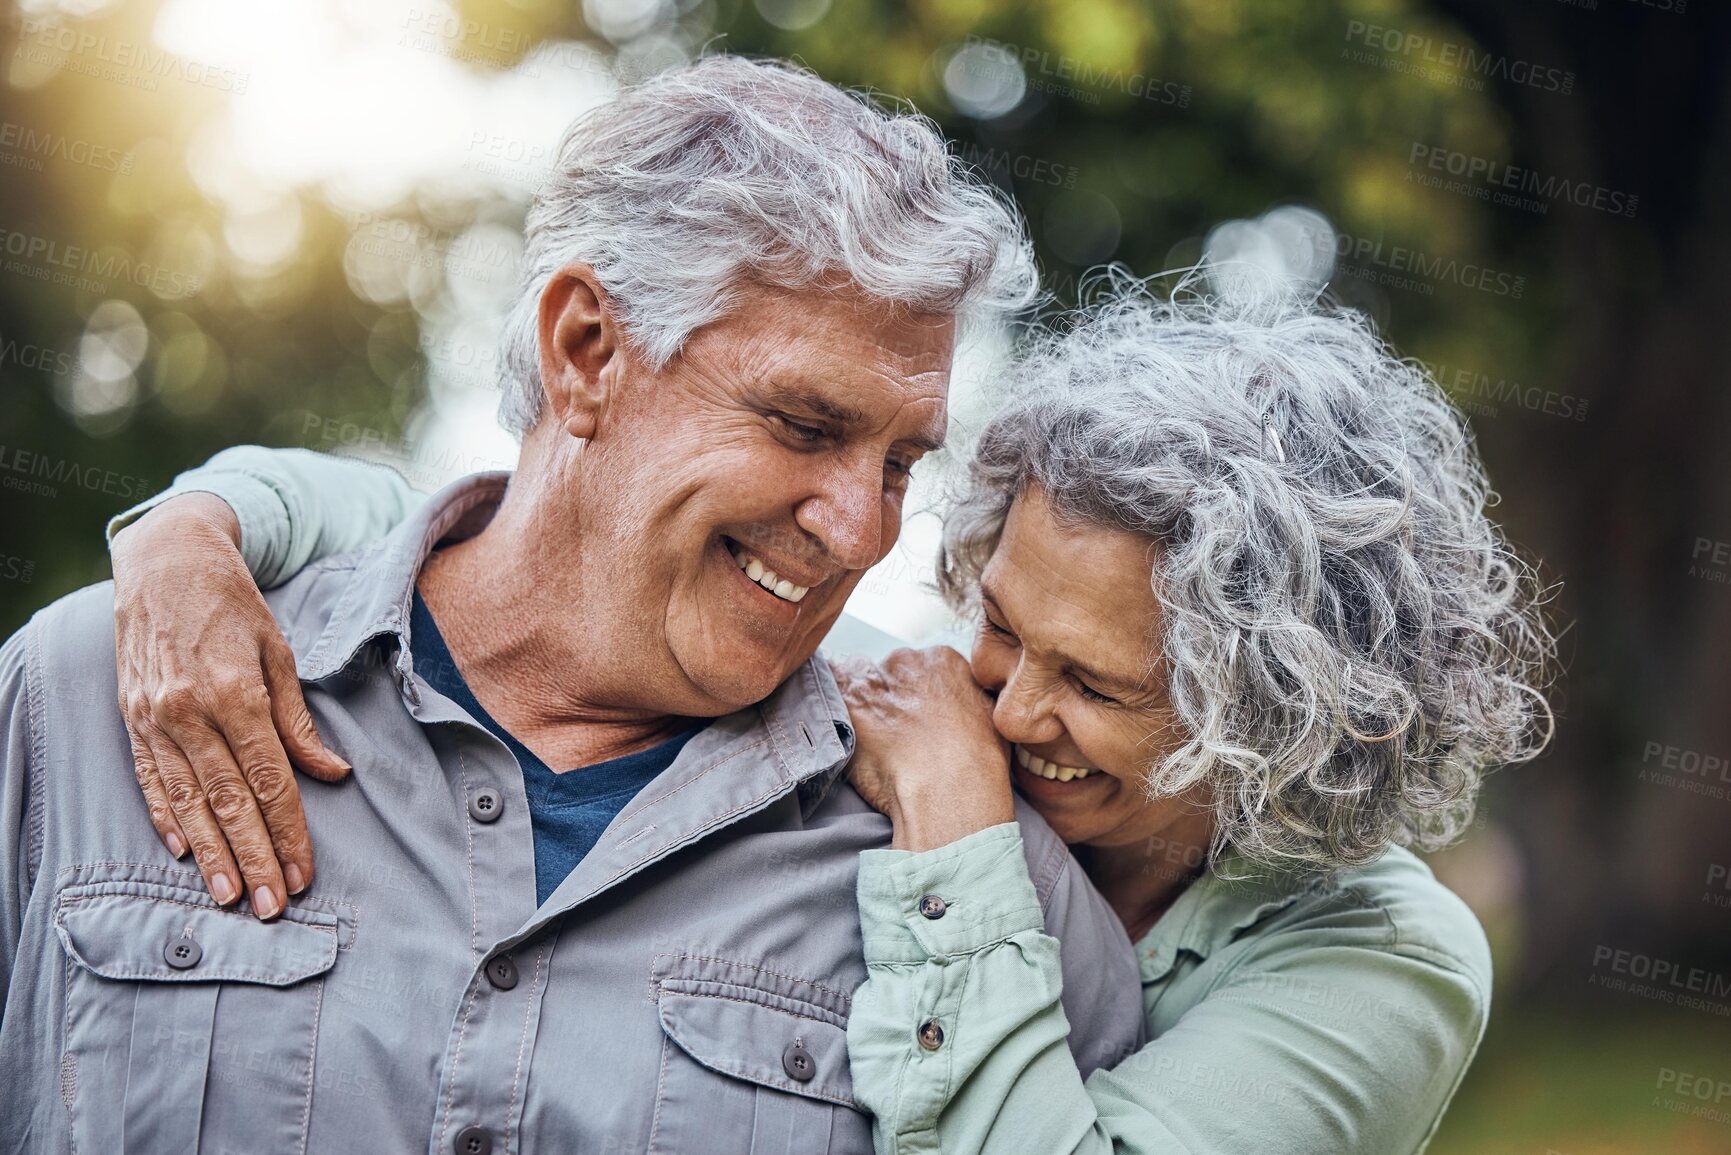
1232,896
808,710
808,725
381,586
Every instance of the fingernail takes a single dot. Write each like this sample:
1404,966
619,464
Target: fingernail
264,903
297,881
222,888
176,847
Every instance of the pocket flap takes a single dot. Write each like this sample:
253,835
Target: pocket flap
120,935
748,1035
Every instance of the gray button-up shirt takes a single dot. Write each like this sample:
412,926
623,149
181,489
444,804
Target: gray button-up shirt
685,990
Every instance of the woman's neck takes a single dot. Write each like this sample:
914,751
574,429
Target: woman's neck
1142,879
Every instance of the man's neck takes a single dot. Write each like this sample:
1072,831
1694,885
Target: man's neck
545,682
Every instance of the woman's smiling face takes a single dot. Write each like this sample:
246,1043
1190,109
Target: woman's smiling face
1069,643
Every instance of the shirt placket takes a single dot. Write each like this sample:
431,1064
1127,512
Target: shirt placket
484,1077
485,1074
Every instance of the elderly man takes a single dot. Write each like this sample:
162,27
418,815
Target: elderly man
734,341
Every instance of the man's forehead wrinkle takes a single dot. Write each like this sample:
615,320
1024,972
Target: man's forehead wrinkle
929,436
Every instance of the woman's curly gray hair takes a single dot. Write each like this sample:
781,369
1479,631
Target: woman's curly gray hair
1349,641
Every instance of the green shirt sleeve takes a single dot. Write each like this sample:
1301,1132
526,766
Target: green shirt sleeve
1325,1034
991,940
294,506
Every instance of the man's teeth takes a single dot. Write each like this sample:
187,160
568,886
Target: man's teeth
1034,764
766,577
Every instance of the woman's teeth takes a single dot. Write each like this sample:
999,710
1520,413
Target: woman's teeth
1034,764
766,577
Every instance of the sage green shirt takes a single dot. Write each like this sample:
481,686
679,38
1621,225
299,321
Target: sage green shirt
1284,1018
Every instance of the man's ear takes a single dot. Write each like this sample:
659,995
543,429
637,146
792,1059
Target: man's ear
578,340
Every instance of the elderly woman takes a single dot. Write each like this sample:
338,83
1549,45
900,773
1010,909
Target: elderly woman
1245,635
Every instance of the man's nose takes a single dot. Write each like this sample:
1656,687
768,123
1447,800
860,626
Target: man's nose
851,518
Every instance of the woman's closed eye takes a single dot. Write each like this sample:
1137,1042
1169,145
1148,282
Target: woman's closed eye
1088,693
1093,695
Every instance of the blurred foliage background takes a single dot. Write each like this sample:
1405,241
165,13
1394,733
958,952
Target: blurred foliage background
296,224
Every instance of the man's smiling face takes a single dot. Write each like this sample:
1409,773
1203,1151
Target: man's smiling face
778,442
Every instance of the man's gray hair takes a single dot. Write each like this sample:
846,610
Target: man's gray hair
1348,640
728,170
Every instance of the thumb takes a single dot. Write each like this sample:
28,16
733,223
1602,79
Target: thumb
294,722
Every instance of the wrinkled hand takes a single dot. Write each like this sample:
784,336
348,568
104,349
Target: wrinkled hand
212,704
925,752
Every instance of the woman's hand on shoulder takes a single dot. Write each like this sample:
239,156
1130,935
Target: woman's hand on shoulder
213,705
925,752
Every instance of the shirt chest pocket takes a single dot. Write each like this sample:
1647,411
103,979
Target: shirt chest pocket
752,1072
189,1027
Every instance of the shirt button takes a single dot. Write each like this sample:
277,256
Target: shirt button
485,804
933,907
182,953
473,1141
931,1035
798,1063
502,972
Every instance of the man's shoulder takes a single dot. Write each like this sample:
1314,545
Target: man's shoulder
74,633
60,668
307,602
1048,856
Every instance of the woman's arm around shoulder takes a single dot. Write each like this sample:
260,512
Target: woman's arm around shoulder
1320,1032
208,686
292,506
